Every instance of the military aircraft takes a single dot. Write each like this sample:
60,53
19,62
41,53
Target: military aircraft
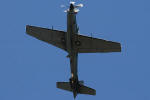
73,43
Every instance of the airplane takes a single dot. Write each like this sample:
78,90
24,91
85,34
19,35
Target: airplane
73,43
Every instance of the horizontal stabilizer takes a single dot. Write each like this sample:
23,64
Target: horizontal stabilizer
81,90
86,90
64,86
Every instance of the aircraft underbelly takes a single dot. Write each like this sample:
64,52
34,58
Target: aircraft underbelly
73,64
71,31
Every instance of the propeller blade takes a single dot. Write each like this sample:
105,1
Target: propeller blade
62,6
79,5
66,10
76,10
72,2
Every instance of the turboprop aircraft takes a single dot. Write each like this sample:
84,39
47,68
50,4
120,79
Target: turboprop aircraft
73,43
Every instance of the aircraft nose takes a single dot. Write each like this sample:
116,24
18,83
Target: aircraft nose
71,7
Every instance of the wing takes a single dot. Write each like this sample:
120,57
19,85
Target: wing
87,44
53,37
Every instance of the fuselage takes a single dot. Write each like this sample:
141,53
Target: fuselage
70,40
72,30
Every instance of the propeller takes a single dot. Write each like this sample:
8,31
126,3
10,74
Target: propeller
75,6
72,2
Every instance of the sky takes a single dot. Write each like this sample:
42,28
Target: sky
30,68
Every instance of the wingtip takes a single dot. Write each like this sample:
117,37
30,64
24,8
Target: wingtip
27,28
120,47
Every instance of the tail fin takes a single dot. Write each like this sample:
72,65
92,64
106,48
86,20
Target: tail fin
86,90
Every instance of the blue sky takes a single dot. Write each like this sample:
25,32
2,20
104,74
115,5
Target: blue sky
29,68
